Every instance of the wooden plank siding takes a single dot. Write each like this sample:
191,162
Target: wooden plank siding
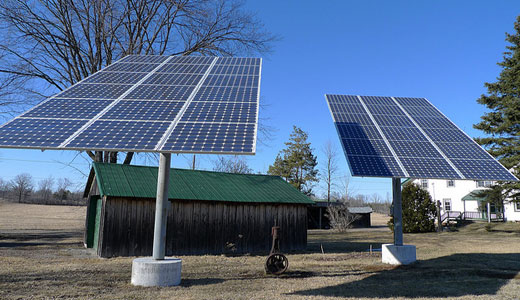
200,227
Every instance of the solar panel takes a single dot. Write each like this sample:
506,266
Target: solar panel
149,103
407,137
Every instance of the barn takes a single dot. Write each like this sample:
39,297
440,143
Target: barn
210,212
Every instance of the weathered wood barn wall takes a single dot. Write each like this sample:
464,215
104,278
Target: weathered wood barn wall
211,212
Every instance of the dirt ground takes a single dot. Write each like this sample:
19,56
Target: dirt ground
42,257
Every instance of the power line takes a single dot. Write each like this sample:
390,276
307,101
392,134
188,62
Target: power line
40,161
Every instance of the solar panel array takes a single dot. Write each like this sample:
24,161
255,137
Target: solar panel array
408,137
184,104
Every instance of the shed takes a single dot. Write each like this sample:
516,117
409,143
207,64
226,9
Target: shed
318,219
211,212
364,216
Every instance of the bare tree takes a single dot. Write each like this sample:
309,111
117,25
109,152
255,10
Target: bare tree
22,186
340,218
56,43
231,164
330,167
63,188
45,188
376,198
4,188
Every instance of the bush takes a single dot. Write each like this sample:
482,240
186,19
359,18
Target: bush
419,211
340,218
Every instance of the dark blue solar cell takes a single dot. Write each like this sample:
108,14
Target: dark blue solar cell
403,134
429,122
376,100
198,60
238,61
183,69
37,133
235,70
415,149
421,111
480,169
227,94
173,79
95,91
365,147
359,119
447,135
463,150
355,131
347,108
397,121
221,112
151,59
342,99
120,135
144,110
231,81
115,77
130,67
58,108
211,137
163,92
428,168
407,101
386,110
380,166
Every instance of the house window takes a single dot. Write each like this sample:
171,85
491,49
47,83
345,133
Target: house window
517,206
447,204
424,183
450,183
484,183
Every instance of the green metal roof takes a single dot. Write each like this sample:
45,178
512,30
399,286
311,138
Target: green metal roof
406,180
473,196
141,182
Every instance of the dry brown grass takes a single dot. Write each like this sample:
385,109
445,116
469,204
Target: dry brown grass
473,263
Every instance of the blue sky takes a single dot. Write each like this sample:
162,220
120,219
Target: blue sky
440,50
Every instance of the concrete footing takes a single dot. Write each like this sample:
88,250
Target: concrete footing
398,255
147,271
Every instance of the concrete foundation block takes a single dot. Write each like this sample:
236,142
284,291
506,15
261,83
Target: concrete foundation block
147,271
398,255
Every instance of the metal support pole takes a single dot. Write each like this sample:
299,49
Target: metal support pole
488,212
161,207
439,218
397,212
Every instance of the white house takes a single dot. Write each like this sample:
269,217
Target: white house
460,197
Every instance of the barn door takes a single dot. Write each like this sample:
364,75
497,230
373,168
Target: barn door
94,213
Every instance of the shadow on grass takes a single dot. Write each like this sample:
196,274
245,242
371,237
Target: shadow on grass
341,246
38,238
450,276
200,281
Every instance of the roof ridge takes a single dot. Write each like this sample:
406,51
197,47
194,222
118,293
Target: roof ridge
188,170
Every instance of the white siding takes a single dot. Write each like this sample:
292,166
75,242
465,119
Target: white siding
440,189
511,212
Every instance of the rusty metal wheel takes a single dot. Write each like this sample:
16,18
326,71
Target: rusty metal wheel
276,264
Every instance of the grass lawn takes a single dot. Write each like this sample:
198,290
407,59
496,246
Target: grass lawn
42,256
